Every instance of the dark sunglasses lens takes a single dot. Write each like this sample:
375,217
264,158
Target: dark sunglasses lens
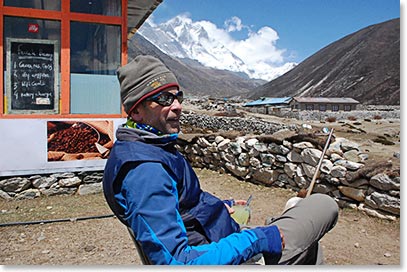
166,99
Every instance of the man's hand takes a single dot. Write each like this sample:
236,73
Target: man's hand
237,202
282,239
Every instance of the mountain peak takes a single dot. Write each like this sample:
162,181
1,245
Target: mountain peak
181,37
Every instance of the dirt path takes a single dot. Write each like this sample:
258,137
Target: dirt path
357,239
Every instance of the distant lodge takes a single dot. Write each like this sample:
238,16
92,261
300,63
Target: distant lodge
305,103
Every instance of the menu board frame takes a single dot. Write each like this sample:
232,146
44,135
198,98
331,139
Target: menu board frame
47,76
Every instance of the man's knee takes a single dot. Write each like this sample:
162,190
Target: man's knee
326,206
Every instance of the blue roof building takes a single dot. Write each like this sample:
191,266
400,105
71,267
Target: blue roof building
270,101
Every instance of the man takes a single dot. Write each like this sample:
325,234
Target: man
154,191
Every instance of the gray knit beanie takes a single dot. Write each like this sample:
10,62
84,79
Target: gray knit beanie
141,78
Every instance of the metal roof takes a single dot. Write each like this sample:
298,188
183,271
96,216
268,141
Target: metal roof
269,101
138,11
336,100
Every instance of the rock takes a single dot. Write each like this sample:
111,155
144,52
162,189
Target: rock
384,202
335,157
323,188
237,170
93,178
349,164
63,175
219,139
302,182
311,156
309,170
358,183
251,142
383,182
5,195
235,148
260,147
356,194
16,184
28,194
294,156
326,166
289,169
347,145
278,149
280,158
202,142
222,146
43,182
302,145
362,207
267,159
244,159
265,176
254,162
58,191
93,188
352,155
69,182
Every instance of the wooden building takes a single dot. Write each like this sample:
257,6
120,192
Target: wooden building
323,103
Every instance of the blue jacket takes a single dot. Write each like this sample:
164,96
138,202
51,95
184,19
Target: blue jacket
152,189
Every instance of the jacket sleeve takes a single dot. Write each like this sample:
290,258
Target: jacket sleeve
150,199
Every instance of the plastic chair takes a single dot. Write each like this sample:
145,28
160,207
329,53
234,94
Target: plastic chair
144,259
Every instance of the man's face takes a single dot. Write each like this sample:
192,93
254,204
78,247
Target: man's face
163,118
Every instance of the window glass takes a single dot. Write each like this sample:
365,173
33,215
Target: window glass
37,4
347,107
322,107
95,57
309,107
95,48
335,108
29,28
101,7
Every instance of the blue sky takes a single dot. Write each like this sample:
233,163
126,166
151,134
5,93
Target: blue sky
303,26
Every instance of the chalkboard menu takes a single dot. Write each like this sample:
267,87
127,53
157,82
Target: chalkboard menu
32,76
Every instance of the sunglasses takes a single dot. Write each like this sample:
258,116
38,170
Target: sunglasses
166,98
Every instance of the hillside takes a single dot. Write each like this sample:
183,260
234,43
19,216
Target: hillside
194,78
364,65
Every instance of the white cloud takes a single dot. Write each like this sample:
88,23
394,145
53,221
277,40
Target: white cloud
259,50
233,24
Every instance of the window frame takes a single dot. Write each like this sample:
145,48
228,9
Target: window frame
65,16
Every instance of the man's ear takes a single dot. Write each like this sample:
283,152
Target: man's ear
136,115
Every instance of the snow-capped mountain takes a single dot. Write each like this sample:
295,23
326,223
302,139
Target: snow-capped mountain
182,38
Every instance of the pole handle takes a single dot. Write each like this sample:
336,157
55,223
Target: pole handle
314,178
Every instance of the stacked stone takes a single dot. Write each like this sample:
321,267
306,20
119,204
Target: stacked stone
244,125
31,187
292,165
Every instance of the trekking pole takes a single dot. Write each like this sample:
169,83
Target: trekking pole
314,178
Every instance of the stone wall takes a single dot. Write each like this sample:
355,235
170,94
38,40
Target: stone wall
288,160
29,187
340,115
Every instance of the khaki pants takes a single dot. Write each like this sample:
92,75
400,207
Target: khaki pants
303,225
